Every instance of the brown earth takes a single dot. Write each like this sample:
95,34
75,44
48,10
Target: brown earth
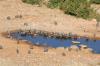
43,18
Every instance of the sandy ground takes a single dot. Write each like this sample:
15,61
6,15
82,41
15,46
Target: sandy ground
37,57
42,18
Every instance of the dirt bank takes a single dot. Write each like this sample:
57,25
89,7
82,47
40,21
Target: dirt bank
42,18
37,56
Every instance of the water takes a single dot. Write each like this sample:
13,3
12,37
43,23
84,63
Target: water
52,42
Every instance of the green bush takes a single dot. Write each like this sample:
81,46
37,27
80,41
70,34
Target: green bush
54,3
83,12
33,1
69,7
96,1
79,8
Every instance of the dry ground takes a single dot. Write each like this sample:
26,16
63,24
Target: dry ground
42,18
54,57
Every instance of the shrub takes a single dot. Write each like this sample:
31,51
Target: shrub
69,7
96,1
79,8
33,1
84,13
54,3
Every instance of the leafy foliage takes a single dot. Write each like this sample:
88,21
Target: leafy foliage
96,1
78,8
32,1
54,3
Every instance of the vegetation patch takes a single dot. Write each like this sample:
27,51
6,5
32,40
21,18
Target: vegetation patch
32,1
96,1
54,3
78,8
